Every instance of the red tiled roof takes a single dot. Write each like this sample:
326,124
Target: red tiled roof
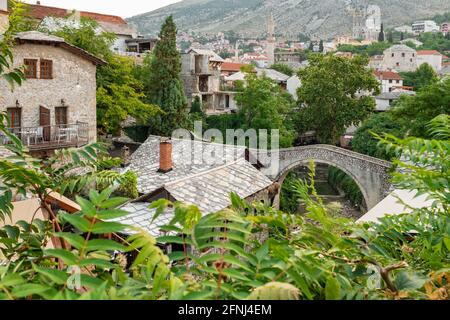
232,66
430,53
38,11
387,75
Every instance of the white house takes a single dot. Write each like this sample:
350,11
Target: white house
419,27
388,80
293,83
432,57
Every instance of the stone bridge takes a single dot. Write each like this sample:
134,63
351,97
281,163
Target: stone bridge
370,174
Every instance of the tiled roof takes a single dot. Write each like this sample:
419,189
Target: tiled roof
187,160
387,75
232,66
40,12
445,70
212,55
428,53
42,38
210,190
141,217
270,73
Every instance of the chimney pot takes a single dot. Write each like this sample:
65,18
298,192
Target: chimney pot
165,155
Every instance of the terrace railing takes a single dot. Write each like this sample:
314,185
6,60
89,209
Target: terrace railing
50,137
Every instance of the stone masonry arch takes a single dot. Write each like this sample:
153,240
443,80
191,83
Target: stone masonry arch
370,174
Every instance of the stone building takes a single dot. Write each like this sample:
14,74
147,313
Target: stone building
195,173
201,75
56,106
400,58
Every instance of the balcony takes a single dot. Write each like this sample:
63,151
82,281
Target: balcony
50,137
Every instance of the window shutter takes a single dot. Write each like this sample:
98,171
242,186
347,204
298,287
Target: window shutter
46,69
30,68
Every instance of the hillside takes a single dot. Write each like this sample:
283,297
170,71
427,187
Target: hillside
324,18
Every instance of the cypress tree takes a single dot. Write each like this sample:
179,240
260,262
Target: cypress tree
321,48
391,37
165,87
381,35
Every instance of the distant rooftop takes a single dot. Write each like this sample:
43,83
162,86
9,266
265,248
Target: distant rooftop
38,11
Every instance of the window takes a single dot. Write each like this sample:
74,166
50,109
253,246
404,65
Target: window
398,81
393,55
15,116
390,81
46,69
411,60
398,64
403,54
30,68
60,116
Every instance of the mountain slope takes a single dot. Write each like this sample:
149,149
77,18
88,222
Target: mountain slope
313,17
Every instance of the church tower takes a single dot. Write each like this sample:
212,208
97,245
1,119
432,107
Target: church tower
271,39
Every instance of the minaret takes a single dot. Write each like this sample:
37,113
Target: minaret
271,39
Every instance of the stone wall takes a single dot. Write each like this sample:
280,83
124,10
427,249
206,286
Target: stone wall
370,174
74,80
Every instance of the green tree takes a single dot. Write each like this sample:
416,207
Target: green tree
263,104
381,35
414,112
391,37
164,86
422,77
283,68
321,47
330,97
364,142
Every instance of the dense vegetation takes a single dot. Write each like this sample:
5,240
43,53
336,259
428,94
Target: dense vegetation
338,81
408,117
247,251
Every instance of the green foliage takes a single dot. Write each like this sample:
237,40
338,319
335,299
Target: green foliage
434,41
376,48
381,35
120,94
363,140
12,76
339,81
422,77
341,180
164,87
414,112
196,106
283,68
264,105
249,251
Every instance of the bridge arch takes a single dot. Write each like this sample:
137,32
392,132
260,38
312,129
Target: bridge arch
370,174
304,163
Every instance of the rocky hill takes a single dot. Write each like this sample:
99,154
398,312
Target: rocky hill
324,18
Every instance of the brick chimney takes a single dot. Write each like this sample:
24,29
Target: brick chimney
165,155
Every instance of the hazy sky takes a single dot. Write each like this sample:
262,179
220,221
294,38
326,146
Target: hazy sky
122,8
